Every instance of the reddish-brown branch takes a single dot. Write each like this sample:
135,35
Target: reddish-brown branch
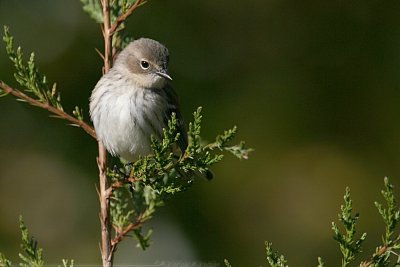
99,53
105,220
108,246
121,233
124,16
106,250
128,180
104,190
58,113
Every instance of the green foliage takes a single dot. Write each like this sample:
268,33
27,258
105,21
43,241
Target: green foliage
391,217
67,263
239,150
77,112
391,214
29,77
117,9
201,156
143,239
2,93
273,258
320,262
93,9
153,179
120,7
227,264
32,255
348,246
120,214
165,172
121,38
137,189
386,254
4,262
132,208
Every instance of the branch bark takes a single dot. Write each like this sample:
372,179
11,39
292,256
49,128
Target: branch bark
122,233
124,16
108,246
105,220
58,113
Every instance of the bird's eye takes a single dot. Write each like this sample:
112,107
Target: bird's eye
144,64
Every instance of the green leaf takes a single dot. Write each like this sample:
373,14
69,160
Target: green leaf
273,258
349,247
227,264
4,262
121,214
117,8
240,151
2,93
320,262
390,214
94,9
143,240
223,139
78,113
68,263
163,173
32,254
28,75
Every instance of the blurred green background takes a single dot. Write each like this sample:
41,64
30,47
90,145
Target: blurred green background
313,86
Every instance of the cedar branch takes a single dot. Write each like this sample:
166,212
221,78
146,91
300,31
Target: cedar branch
124,16
58,113
108,30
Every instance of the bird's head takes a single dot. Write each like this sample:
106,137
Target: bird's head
145,61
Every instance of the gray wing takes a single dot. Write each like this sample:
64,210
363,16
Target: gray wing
173,107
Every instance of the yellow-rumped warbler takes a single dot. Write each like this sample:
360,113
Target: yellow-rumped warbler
134,101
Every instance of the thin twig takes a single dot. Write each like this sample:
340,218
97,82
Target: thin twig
99,53
107,245
382,250
105,219
122,233
127,180
58,113
124,16
106,248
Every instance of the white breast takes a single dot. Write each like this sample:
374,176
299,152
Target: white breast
125,116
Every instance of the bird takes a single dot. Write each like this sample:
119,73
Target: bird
135,100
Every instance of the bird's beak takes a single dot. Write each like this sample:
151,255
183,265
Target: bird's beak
163,74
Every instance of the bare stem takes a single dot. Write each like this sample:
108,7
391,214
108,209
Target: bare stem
58,113
107,35
121,233
124,16
106,251
108,246
105,220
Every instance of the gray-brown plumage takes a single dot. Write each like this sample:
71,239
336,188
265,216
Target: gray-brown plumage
134,101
